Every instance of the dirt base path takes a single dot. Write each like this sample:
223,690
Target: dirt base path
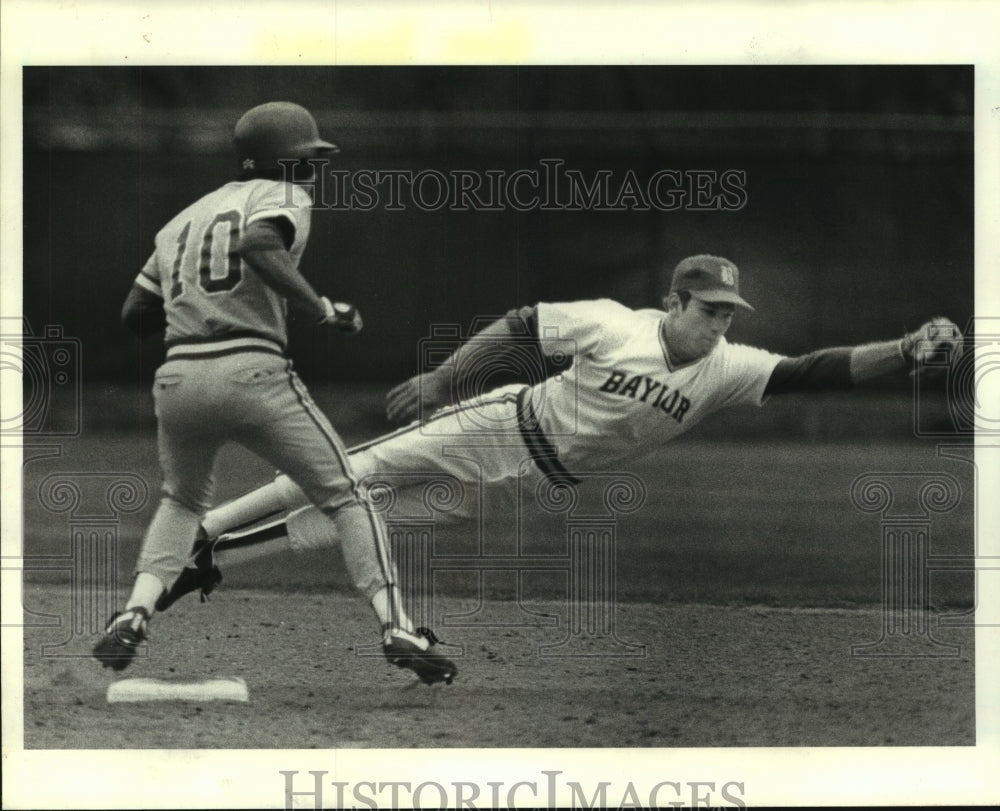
710,676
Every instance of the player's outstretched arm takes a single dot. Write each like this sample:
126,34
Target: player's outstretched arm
844,367
421,394
428,391
936,336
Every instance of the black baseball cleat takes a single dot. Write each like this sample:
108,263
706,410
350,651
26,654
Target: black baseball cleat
417,651
204,575
125,631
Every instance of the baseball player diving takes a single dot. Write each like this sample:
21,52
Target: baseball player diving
219,282
637,379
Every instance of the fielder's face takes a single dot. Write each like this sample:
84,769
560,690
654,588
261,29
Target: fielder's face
692,332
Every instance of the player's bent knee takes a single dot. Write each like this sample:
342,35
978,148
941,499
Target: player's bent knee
289,493
309,528
182,500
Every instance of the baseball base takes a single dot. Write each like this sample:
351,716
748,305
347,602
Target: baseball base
133,690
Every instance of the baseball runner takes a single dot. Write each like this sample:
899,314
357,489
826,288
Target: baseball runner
638,379
220,280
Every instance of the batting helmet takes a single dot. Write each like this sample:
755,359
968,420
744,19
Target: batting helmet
275,131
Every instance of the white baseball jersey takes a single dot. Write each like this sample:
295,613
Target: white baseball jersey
621,395
208,293
620,398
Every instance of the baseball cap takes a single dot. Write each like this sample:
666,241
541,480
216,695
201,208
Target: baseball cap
708,278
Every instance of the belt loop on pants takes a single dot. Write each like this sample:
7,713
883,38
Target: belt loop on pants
543,452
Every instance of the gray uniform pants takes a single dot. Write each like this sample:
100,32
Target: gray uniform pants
256,400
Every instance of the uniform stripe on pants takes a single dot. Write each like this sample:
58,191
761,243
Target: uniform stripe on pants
506,397
321,422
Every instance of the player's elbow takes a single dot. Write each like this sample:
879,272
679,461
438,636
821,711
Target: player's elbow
130,309
265,236
522,321
134,322
143,314
129,317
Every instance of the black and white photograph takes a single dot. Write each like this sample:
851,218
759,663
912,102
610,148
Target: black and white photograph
389,422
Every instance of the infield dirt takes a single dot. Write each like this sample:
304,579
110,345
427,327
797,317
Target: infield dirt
748,575
711,676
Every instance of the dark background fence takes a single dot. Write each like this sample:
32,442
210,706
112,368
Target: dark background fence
855,222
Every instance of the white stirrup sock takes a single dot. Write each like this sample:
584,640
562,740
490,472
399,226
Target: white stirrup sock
388,607
145,592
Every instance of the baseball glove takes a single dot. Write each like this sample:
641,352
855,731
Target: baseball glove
937,339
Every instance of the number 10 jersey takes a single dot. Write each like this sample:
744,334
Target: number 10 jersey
209,293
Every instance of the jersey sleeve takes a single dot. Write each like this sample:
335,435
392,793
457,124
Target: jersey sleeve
746,370
577,327
284,201
149,278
